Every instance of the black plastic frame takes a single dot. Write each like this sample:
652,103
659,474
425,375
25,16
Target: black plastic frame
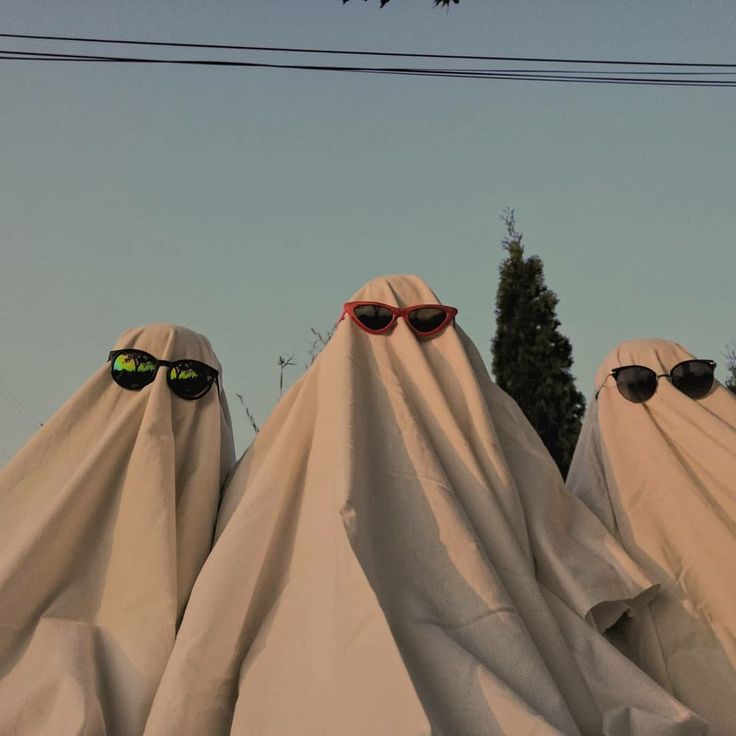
208,369
616,371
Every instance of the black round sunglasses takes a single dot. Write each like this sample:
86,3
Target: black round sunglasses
134,369
637,383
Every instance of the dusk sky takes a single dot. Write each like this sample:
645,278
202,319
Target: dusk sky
249,204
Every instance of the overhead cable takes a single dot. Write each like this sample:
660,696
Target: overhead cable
587,77
346,52
19,406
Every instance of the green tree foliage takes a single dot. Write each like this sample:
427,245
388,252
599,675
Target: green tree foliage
440,3
731,367
531,359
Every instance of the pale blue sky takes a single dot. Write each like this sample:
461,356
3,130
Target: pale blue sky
248,204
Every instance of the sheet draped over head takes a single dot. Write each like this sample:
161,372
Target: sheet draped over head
106,516
662,476
397,555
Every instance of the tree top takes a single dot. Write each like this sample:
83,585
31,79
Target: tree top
512,242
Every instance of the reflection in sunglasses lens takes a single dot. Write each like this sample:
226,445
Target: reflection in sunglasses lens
134,370
189,379
373,316
693,377
426,319
636,383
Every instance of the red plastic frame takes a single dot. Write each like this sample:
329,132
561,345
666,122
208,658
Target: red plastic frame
349,309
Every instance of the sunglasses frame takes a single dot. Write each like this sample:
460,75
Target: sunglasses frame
209,370
396,312
616,371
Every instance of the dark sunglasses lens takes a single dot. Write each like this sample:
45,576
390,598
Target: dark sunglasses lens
693,377
373,316
133,369
427,319
636,383
190,379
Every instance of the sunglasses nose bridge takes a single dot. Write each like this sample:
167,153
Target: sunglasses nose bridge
159,376
164,367
162,375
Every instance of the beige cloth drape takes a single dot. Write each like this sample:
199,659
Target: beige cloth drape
662,476
106,516
397,556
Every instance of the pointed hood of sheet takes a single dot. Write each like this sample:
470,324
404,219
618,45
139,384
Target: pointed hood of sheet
106,517
396,554
662,476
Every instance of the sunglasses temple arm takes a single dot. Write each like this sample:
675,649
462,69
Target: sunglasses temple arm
600,388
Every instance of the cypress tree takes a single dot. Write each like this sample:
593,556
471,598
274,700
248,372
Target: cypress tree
531,359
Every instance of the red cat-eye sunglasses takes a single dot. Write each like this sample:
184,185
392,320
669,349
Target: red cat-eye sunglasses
377,317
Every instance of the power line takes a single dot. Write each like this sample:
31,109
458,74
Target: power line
345,52
19,406
21,409
48,55
591,77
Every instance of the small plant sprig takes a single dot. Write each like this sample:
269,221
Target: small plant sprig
248,413
283,364
319,340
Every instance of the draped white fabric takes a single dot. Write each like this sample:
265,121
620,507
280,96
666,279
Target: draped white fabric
106,516
397,556
662,476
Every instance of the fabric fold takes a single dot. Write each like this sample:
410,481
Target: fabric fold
382,556
106,517
661,476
